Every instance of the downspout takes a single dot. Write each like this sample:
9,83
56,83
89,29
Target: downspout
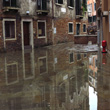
53,22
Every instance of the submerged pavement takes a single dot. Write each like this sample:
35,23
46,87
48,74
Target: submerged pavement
62,77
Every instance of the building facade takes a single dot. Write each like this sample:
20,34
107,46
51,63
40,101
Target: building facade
103,21
34,23
91,7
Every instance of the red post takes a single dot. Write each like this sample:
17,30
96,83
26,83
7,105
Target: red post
104,45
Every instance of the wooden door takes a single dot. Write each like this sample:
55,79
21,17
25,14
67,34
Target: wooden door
26,33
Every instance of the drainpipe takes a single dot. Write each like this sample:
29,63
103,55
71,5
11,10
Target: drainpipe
53,22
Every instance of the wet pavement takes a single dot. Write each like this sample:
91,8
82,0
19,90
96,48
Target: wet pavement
62,77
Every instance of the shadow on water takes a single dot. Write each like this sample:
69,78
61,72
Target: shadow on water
48,79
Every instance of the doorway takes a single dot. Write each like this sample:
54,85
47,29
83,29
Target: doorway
26,33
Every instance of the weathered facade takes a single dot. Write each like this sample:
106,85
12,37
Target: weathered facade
34,23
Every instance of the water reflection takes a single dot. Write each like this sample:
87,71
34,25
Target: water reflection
47,79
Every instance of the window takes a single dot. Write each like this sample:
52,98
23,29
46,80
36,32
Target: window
59,1
70,28
9,27
95,6
89,19
94,18
42,4
84,27
41,29
70,3
77,29
11,3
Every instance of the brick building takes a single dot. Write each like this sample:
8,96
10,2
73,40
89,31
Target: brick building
34,23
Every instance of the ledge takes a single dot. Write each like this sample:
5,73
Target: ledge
85,35
57,4
70,7
10,8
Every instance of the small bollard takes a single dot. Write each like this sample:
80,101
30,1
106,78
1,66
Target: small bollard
104,45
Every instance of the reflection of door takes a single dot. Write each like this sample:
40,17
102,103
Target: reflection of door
78,29
26,33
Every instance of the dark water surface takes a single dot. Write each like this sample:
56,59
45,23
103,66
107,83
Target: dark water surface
54,79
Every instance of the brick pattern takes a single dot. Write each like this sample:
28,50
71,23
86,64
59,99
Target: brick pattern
85,39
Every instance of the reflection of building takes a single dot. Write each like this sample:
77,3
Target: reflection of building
93,71
47,79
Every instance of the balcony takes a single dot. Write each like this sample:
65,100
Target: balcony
9,5
42,7
80,8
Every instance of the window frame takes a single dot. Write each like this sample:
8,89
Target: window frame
69,28
38,28
6,66
9,39
70,62
69,6
80,56
79,28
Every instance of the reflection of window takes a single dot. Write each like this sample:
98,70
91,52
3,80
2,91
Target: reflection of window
43,65
72,86
41,29
59,1
9,29
61,94
71,58
11,73
85,55
70,28
78,56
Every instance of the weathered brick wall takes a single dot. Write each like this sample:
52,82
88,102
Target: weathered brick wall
81,25
11,45
43,41
61,25
85,39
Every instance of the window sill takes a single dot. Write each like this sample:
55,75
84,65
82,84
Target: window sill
10,39
84,32
57,4
70,33
41,37
70,7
